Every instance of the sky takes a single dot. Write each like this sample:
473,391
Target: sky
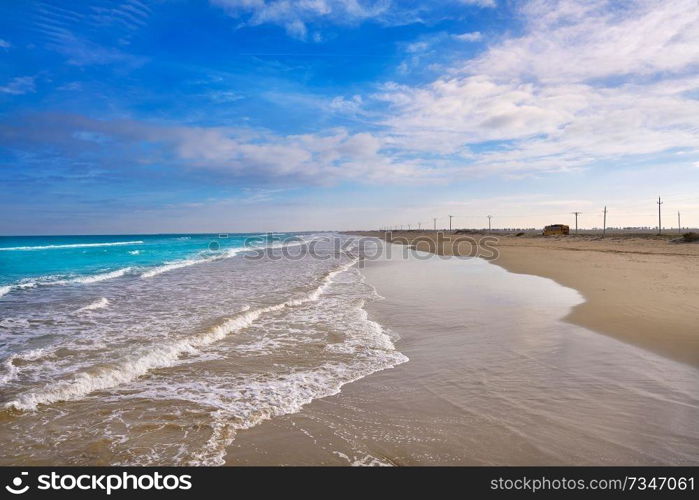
140,116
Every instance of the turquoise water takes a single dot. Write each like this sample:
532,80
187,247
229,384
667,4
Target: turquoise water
29,261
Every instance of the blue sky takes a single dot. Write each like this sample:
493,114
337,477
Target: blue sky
255,115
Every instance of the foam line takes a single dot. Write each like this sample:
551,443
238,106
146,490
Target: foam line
158,356
74,245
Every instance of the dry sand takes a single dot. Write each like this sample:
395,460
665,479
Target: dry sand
639,289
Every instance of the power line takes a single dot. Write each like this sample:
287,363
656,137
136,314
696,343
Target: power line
604,226
576,221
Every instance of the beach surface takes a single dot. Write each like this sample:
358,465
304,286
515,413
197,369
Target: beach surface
359,352
640,289
494,377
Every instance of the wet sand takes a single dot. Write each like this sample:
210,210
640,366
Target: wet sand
641,290
494,378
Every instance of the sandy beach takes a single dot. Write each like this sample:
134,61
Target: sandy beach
639,289
378,356
494,377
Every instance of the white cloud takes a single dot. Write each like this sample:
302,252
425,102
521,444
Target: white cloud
473,36
19,85
506,112
480,3
4,44
587,82
349,106
569,40
294,16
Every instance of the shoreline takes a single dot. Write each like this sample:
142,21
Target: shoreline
660,314
493,377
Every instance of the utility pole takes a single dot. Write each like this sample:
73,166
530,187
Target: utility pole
450,222
489,217
576,221
419,226
660,226
434,220
408,227
679,224
604,227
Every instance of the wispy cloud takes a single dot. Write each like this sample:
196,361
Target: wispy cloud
4,44
473,36
76,31
480,3
586,83
19,85
259,156
294,16
580,85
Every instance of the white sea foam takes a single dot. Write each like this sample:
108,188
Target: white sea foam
154,357
134,252
19,286
260,400
14,322
12,370
97,304
74,245
177,264
94,278
59,280
171,266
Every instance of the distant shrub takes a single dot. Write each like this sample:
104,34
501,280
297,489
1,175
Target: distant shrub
690,237
519,234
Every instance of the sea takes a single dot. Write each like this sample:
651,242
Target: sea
159,349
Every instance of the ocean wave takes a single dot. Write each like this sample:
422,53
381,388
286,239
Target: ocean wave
12,370
97,304
287,394
18,286
74,245
158,356
171,266
14,322
177,264
94,278
61,280
134,252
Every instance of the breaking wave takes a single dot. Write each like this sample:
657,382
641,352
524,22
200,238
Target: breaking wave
74,245
154,357
98,304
